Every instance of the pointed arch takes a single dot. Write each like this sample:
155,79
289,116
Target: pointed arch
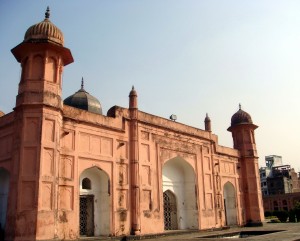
178,176
37,67
230,204
25,69
94,202
51,70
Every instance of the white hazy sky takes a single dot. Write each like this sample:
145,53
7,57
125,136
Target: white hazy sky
184,57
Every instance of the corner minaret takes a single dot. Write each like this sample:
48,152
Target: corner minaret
207,123
134,163
242,129
133,99
38,125
42,56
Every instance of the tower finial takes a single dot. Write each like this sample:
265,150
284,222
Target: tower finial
207,123
133,87
240,106
47,13
82,83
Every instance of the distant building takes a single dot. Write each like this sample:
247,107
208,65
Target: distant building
265,172
284,179
281,202
273,161
280,185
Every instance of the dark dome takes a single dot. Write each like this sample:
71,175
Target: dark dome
241,117
44,31
83,100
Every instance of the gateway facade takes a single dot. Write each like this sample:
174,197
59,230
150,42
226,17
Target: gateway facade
67,170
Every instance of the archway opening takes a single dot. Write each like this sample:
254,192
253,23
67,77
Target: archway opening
170,211
4,189
230,204
94,203
179,187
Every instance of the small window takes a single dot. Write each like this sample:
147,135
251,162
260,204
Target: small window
86,184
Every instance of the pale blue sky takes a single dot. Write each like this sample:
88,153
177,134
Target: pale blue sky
186,58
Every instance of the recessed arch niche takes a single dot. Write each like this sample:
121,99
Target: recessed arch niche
178,177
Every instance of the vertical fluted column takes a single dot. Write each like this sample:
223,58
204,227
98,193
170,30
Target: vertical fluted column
134,163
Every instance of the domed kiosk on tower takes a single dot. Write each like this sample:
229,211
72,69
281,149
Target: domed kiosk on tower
44,31
83,100
241,117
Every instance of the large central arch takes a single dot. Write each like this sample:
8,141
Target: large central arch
94,203
178,179
230,204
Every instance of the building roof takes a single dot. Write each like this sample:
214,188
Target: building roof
83,100
44,31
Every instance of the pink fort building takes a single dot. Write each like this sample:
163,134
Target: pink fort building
68,170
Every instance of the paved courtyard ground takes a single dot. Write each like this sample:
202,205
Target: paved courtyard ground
288,232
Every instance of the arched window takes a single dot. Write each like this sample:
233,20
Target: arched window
37,68
285,205
50,73
86,184
25,67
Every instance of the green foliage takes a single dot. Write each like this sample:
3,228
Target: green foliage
281,215
274,220
268,214
297,211
292,216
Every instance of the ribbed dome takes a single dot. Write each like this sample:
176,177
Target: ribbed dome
241,117
83,100
44,31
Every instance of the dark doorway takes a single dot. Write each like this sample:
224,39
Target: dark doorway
170,211
87,215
